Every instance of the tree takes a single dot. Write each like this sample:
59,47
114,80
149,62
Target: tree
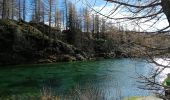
58,19
97,26
72,17
49,16
19,9
4,9
13,9
10,9
93,23
87,20
66,13
144,11
166,8
42,12
36,10
103,25
24,10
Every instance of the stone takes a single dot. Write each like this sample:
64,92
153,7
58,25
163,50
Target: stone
45,61
67,58
79,57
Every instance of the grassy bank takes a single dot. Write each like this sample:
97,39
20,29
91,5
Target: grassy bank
133,98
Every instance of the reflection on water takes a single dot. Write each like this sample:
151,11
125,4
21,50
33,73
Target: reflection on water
111,78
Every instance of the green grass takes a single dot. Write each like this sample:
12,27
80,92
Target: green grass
133,98
164,82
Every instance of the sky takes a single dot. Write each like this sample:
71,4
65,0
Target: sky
99,4
130,25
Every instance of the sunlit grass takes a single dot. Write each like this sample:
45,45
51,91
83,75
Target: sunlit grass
88,93
133,98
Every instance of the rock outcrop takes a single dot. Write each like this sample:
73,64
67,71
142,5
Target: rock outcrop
21,43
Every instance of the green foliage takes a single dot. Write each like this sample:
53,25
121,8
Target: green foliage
132,98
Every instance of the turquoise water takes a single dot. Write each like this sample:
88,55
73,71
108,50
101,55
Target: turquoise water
113,77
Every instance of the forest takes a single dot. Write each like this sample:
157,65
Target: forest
71,50
40,31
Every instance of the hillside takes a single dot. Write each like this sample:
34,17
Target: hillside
22,43
29,42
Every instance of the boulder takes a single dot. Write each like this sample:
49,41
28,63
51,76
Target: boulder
45,61
80,57
67,58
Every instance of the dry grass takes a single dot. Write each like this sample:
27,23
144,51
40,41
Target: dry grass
87,93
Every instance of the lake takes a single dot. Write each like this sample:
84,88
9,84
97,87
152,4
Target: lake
112,78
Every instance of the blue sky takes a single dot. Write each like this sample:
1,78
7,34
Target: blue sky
81,3
98,5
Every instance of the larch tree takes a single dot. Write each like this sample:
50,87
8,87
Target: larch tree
9,9
58,19
103,25
87,20
36,10
19,10
66,13
13,6
4,9
72,16
97,26
50,3
24,10
42,11
93,23
143,11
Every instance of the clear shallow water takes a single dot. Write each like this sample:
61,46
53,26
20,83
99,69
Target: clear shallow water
113,77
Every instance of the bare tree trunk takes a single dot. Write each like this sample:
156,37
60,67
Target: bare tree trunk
93,24
4,9
35,10
43,14
24,13
8,9
66,14
55,17
166,8
12,15
39,8
19,10
50,4
63,19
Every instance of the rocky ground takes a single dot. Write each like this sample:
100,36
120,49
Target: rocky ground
152,97
149,98
20,43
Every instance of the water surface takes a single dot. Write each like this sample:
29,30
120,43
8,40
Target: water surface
113,77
